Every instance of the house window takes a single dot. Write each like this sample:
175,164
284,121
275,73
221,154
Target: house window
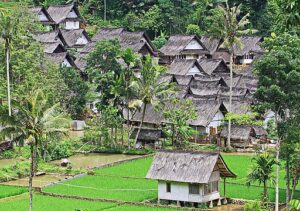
211,187
194,189
168,187
215,186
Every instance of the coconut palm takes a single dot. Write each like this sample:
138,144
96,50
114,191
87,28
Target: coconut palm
261,171
32,122
149,86
231,30
6,33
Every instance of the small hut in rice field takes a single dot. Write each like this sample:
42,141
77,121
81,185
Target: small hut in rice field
189,176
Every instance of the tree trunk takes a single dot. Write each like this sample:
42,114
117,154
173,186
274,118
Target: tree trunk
265,191
277,176
287,182
140,127
31,176
122,131
116,135
230,99
294,184
104,10
7,49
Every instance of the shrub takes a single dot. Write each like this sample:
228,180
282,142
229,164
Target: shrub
61,149
252,206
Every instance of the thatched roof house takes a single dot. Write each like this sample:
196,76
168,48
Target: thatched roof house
65,16
185,67
76,38
42,14
188,176
214,66
62,59
249,45
211,43
50,37
55,47
241,135
139,42
213,82
183,47
210,115
183,80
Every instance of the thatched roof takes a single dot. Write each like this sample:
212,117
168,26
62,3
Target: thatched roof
71,36
213,66
107,34
238,107
147,134
191,167
177,43
40,9
54,47
139,42
50,37
204,92
239,132
58,58
206,110
259,131
80,61
152,116
59,13
211,43
183,66
249,44
207,82
183,80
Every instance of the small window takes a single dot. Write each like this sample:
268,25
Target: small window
194,189
207,189
215,186
168,187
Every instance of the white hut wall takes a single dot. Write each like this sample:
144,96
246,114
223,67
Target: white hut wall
212,128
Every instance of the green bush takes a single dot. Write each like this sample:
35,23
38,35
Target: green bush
61,149
252,206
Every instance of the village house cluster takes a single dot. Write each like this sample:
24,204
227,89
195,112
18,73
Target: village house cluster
197,65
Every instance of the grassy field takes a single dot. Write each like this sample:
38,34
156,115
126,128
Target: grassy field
47,203
6,191
109,183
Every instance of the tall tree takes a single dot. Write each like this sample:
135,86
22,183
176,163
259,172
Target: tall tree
150,88
233,27
278,87
33,120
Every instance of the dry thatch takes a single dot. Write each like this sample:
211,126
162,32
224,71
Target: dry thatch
211,43
71,36
50,37
214,66
59,13
191,167
139,42
147,134
214,82
249,45
183,80
239,132
54,47
152,116
206,110
238,107
177,43
58,58
183,66
41,10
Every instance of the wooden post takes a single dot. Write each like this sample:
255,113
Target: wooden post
178,203
158,201
224,187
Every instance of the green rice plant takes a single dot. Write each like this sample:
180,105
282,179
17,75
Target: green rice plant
7,191
135,168
125,189
47,203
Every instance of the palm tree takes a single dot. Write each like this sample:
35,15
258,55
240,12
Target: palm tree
33,121
150,88
262,171
7,31
231,30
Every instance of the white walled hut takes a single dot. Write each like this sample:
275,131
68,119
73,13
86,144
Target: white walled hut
188,176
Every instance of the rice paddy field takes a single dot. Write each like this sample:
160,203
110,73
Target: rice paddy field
48,203
126,182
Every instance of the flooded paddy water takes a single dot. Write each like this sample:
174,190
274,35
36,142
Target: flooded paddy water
92,160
